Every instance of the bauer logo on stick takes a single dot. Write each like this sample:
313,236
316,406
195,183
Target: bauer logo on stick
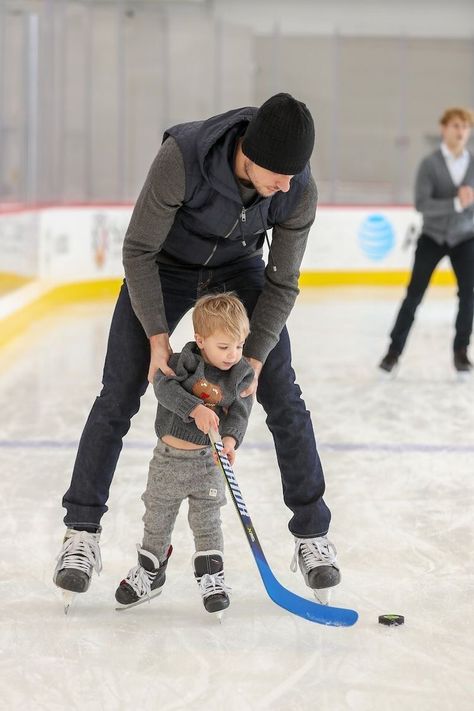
230,476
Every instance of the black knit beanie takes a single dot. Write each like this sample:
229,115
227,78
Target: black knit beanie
280,137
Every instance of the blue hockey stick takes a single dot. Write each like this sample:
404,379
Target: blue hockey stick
309,610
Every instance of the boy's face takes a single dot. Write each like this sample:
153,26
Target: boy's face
220,350
456,134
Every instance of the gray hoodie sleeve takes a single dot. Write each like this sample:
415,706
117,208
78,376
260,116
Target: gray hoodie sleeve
280,290
234,423
152,218
169,390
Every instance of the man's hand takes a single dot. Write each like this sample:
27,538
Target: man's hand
160,351
205,418
257,366
466,196
229,448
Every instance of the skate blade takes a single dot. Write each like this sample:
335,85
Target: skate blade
463,376
68,598
219,615
385,375
119,607
323,596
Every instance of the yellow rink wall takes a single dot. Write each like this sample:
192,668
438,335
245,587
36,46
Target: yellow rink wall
17,322
371,278
54,255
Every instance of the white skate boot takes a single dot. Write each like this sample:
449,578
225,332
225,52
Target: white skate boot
316,558
79,556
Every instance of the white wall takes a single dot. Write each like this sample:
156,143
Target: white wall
111,76
76,244
421,18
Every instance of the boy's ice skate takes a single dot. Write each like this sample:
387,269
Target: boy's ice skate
317,560
143,582
79,556
209,573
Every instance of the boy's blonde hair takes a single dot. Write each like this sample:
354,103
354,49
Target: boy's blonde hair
221,312
459,112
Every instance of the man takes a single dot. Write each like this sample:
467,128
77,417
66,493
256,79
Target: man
199,225
444,194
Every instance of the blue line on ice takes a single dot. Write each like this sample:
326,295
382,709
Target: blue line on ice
400,447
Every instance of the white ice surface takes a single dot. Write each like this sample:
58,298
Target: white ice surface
398,456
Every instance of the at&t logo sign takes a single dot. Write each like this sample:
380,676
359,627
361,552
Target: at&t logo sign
376,236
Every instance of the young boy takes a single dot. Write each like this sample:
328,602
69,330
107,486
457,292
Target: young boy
203,394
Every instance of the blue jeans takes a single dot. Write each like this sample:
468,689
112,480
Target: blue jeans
125,380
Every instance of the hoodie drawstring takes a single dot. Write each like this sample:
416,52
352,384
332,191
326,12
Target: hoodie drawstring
270,256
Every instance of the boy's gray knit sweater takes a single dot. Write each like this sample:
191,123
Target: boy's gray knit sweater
152,218
176,399
434,198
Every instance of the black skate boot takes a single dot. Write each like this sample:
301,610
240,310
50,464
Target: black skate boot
389,361
317,561
209,573
79,556
144,581
461,361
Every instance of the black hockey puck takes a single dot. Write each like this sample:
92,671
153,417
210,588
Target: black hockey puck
391,620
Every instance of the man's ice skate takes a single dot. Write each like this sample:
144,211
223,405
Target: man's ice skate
316,558
389,364
462,363
209,573
143,582
79,556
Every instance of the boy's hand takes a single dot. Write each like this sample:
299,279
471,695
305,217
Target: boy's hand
229,448
160,351
205,418
257,366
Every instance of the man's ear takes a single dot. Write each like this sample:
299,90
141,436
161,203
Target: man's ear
199,340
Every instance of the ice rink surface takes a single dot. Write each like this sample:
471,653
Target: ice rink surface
398,457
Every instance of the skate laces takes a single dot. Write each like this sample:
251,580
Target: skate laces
81,551
140,580
212,584
314,552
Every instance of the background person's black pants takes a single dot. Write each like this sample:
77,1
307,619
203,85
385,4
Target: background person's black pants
427,256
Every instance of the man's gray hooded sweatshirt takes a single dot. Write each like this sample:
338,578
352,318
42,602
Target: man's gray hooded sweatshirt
192,210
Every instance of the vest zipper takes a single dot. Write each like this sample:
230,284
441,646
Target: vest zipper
211,254
231,229
243,218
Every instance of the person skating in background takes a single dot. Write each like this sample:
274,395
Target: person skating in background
199,225
444,194
202,395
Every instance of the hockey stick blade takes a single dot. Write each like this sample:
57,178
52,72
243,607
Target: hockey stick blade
301,606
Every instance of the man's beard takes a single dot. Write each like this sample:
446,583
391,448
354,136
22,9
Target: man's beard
251,183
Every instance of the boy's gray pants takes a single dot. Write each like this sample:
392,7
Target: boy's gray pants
174,475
